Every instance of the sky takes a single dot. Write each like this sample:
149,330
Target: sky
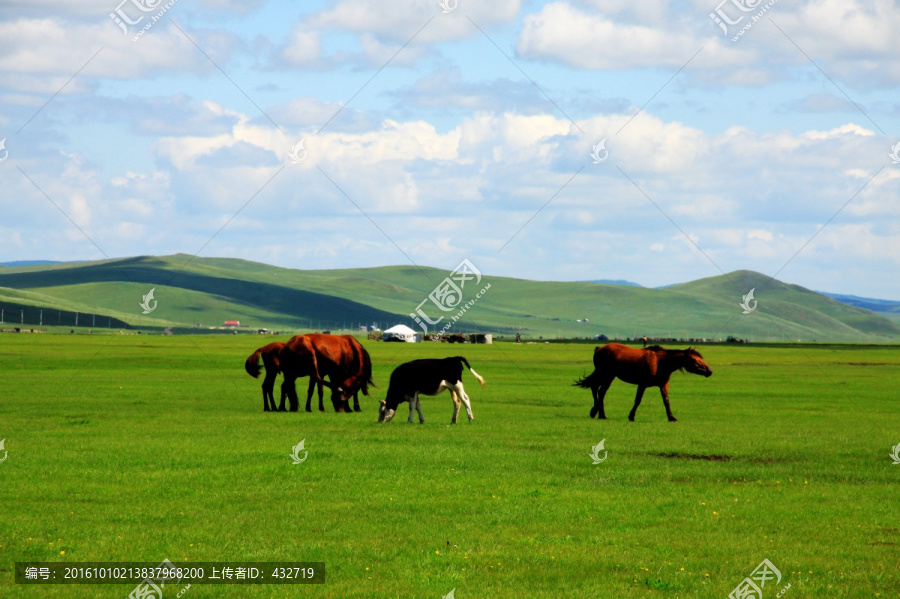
563,140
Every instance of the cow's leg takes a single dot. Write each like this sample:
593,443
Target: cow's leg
460,390
637,402
456,403
599,393
419,410
664,390
412,407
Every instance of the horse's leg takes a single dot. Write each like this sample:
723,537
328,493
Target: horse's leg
309,393
284,395
637,402
599,394
664,390
268,389
356,402
292,395
286,387
320,387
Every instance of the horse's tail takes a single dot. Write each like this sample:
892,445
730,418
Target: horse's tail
472,370
587,382
252,364
367,370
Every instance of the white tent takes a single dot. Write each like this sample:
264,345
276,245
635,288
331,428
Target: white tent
400,332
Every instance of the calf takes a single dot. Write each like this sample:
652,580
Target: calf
427,377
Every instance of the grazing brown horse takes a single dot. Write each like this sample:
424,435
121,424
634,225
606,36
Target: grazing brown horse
650,367
341,358
270,355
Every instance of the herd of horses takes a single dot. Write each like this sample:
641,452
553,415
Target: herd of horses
348,367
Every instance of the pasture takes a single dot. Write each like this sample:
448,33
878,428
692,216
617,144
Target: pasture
136,448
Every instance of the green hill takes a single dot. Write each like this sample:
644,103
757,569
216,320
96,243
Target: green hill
207,291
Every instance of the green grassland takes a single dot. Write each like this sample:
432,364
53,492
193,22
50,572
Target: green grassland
207,291
139,448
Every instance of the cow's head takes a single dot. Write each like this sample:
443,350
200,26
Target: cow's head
694,363
385,414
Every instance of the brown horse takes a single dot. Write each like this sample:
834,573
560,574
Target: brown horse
341,358
650,367
270,355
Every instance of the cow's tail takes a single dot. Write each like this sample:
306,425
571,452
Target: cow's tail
472,370
252,364
587,382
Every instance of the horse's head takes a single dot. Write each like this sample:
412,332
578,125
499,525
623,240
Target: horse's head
694,363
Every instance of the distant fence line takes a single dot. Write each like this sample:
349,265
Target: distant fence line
19,314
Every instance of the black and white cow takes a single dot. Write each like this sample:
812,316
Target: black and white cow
427,377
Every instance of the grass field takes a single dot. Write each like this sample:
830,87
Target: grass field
127,448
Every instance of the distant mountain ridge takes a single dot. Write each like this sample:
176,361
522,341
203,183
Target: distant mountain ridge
875,305
17,263
205,292
613,282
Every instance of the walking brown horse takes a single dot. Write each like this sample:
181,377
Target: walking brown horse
650,367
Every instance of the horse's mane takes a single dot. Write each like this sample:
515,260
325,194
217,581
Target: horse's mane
689,351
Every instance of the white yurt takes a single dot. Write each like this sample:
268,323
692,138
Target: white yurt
400,332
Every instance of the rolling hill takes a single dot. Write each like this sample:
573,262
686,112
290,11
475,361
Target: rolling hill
204,292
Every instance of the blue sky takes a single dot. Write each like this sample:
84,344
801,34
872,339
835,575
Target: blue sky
745,152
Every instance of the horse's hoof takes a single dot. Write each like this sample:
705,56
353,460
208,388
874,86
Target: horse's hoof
593,412
631,419
601,417
673,419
